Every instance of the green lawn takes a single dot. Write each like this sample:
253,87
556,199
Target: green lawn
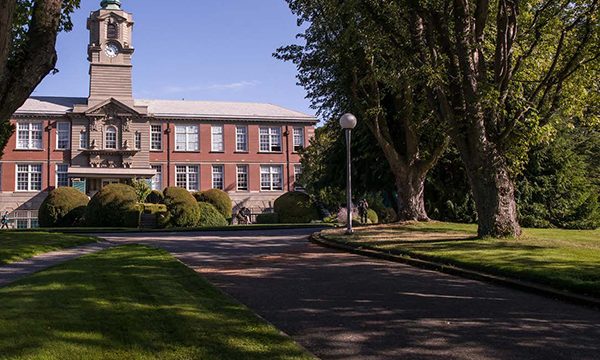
16,245
565,259
131,302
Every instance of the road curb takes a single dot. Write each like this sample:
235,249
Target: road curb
425,263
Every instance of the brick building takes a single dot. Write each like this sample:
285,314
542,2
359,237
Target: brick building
249,150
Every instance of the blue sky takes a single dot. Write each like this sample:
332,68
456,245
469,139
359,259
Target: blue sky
195,50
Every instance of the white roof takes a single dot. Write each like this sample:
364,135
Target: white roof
175,109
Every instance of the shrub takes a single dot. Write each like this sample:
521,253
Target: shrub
155,197
372,216
210,216
115,205
388,216
63,207
155,208
219,199
142,189
295,207
182,208
267,218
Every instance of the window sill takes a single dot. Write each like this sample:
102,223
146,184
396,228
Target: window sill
216,152
240,152
156,151
187,151
37,150
270,152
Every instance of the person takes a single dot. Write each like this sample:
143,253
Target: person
243,216
363,210
4,220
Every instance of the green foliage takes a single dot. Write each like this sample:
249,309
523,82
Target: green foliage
267,218
556,189
142,189
210,216
155,197
295,208
218,198
372,216
155,209
115,205
388,215
63,207
182,208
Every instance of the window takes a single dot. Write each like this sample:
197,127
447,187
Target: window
157,179
270,178
112,30
29,135
298,139
270,139
111,138
217,177
29,177
187,177
62,176
186,138
138,140
84,139
241,138
242,177
26,219
216,133
297,173
63,135
156,137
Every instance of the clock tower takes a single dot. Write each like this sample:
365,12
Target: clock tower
109,53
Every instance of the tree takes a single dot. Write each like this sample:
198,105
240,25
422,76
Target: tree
347,65
28,30
501,73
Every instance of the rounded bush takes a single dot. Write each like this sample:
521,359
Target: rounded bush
267,218
182,208
219,199
210,216
372,216
295,208
389,216
116,205
63,207
155,197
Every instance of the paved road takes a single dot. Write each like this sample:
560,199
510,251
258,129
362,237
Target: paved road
343,306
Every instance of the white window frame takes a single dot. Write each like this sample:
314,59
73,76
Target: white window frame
191,136
298,138
32,172
269,139
217,138
189,172
271,172
242,173
84,139
65,133
241,138
62,170
156,183
218,177
116,139
29,217
156,133
137,140
29,142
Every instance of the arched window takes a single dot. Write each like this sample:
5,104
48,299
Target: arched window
112,31
111,138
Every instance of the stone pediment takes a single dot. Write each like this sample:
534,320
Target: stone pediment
114,14
113,107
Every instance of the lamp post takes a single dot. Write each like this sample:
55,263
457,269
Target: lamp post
348,122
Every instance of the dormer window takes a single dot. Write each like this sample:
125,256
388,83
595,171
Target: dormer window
112,30
111,138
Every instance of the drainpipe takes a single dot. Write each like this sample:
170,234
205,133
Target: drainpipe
168,133
287,155
49,131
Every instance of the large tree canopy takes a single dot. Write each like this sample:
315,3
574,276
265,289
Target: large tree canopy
28,30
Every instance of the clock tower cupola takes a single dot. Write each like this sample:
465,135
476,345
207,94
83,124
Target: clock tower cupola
109,53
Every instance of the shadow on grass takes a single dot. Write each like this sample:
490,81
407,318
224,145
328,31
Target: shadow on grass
130,302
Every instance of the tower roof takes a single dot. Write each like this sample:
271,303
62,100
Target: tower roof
111,4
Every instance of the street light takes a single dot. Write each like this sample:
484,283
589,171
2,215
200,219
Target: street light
348,122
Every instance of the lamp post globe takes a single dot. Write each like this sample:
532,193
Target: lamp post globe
348,122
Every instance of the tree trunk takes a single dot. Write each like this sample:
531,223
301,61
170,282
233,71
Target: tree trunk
411,195
494,195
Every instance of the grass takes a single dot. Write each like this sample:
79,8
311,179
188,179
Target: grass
131,302
17,245
565,259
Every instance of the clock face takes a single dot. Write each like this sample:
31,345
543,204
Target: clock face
111,50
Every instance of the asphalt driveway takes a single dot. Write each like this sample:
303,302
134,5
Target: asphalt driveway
344,306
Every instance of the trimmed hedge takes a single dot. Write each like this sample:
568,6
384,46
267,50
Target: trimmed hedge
389,216
154,209
182,208
210,216
63,207
219,199
115,206
295,208
155,197
267,218
372,216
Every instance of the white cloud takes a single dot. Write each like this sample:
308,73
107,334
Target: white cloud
236,86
